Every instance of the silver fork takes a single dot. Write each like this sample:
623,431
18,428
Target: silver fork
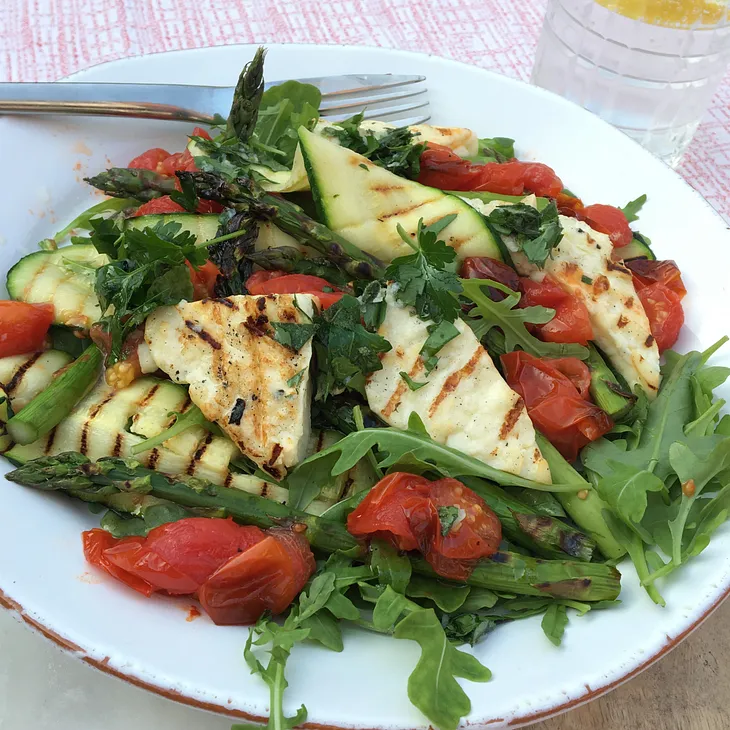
393,98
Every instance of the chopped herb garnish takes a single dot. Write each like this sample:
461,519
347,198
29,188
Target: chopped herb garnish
296,379
412,384
364,166
422,277
537,232
586,279
447,517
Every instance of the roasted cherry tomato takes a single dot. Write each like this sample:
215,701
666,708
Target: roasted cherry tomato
279,282
150,160
23,327
554,404
266,577
568,204
385,512
663,307
441,168
541,180
204,280
483,267
609,220
665,272
179,556
576,371
165,204
95,543
475,533
571,322
444,520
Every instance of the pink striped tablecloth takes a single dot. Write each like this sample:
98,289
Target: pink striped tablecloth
42,40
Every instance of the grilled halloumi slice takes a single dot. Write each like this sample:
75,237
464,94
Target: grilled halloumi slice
465,404
582,263
255,389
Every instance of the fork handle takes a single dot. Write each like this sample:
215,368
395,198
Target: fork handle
148,101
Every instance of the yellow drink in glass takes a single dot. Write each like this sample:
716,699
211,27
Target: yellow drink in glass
650,67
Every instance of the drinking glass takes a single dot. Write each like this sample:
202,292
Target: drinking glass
649,67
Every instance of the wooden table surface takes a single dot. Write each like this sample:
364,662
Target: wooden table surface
689,689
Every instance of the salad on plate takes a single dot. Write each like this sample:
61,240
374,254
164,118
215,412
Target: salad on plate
319,373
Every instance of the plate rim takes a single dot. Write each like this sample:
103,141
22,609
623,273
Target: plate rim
179,696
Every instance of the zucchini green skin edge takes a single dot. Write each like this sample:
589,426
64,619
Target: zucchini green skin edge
41,278
54,403
372,203
203,226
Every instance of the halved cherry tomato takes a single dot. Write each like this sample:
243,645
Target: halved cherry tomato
406,510
266,577
386,511
23,327
663,307
200,132
576,371
176,557
149,160
541,180
609,220
95,543
203,280
476,533
504,179
571,322
441,168
568,204
554,404
178,161
165,204
665,272
279,282
483,267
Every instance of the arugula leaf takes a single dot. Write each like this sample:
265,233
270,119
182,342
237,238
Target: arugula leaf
554,622
625,491
391,568
449,597
394,446
389,607
537,232
468,628
422,279
150,514
494,149
395,150
432,687
282,640
283,109
631,209
191,418
511,321
85,221
698,472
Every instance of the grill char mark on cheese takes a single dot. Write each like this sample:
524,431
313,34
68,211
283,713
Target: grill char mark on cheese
513,415
205,336
452,382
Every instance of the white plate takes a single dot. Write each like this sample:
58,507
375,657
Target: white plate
42,571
